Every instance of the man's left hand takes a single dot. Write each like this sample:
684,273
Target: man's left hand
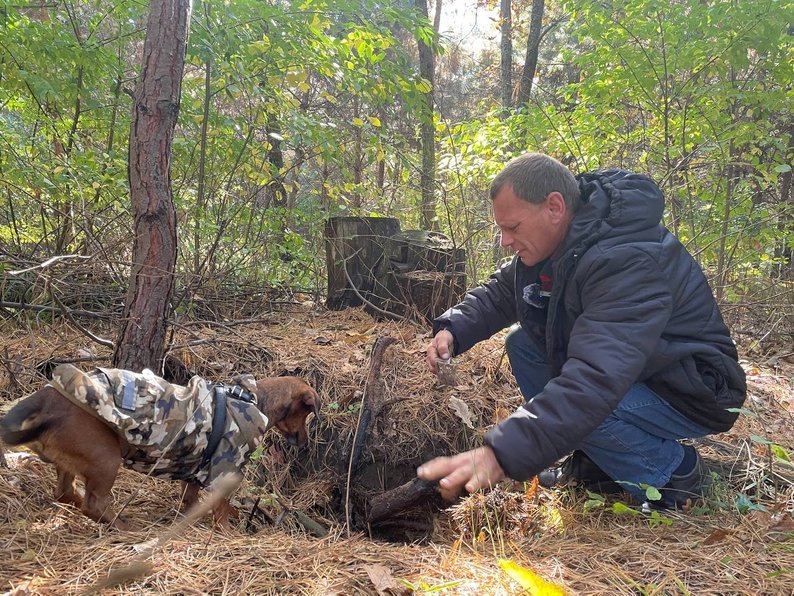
471,470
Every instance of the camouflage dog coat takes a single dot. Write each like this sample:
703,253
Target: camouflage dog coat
169,428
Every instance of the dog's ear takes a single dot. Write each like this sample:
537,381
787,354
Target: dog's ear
312,400
246,382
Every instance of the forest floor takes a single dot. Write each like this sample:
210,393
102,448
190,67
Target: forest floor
301,528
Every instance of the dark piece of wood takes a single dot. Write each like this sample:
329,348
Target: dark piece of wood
392,502
354,250
372,401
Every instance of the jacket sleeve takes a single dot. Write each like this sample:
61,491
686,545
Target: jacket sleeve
626,305
485,310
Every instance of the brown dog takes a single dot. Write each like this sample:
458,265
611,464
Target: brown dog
83,424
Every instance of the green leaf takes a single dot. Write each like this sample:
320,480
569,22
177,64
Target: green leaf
623,509
744,411
779,452
653,493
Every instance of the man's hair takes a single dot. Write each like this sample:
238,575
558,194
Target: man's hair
533,176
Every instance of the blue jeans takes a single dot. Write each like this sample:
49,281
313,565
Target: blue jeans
636,444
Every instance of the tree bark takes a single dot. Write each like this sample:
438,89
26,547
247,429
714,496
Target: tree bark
395,501
437,16
141,340
533,47
427,68
506,65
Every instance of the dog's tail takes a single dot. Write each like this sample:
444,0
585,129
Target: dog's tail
24,422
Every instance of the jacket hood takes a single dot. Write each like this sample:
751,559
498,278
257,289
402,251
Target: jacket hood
616,203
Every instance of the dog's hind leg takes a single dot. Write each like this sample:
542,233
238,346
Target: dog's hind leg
96,503
64,489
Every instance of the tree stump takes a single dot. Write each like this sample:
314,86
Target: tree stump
415,274
425,276
355,248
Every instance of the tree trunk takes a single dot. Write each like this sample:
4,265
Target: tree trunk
506,70
358,158
141,341
533,47
275,192
427,67
200,186
437,16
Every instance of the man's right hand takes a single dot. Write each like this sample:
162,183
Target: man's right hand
439,349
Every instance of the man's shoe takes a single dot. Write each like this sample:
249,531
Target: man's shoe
579,470
682,488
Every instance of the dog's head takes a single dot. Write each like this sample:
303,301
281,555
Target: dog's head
286,401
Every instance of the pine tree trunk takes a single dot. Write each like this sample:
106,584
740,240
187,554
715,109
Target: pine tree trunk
427,67
506,49
141,341
533,47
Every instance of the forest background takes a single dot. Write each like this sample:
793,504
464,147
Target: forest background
291,113
294,112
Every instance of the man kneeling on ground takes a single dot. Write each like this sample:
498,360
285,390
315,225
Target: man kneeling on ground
620,351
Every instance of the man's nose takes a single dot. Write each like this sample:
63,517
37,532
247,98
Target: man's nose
505,239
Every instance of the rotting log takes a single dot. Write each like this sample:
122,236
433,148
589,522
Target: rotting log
393,502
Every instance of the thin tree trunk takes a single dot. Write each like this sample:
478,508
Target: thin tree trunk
141,341
275,192
437,17
506,64
533,48
427,69
358,157
198,216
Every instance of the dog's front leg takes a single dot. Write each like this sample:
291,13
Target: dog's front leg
222,512
190,491
64,488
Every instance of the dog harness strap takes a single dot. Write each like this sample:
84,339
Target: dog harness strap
239,393
218,425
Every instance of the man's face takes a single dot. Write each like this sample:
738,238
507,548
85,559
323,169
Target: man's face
533,231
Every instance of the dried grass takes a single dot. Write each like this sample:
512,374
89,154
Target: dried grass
51,549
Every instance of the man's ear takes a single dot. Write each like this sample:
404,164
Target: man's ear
246,381
555,203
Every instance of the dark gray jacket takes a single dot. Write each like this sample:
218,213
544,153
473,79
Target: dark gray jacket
629,304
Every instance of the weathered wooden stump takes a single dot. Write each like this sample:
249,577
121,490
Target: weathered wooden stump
414,274
355,247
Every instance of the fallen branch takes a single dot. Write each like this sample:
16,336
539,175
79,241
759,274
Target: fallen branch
371,405
397,500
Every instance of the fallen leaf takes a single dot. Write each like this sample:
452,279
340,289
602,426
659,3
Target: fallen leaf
783,524
29,555
533,487
382,579
145,546
355,338
716,536
500,414
529,580
461,410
